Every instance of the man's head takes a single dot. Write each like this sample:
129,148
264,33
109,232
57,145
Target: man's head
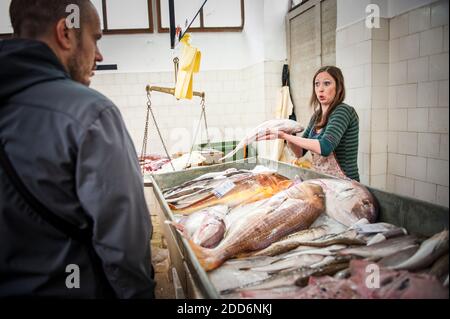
46,20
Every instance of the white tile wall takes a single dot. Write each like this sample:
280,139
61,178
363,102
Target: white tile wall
397,164
418,120
443,147
431,41
438,120
437,172
442,195
428,94
418,70
425,191
379,120
418,104
399,26
398,73
407,143
443,94
378,164
419,19
446,38
439,67
416,167
409,47
404,186
393,142
380,97
380,74
378,181
407,95
379,142
398,119
428,145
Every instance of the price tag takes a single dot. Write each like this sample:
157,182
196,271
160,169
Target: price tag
223,189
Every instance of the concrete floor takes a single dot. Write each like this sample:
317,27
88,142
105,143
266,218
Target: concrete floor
160,255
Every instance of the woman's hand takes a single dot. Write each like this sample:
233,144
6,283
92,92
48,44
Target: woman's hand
271,135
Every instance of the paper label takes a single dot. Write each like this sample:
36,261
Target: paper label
371,228
223,189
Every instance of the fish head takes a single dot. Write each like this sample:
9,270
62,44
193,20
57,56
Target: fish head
366,206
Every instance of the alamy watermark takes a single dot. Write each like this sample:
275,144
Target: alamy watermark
373,16
373,277
73,19
73,279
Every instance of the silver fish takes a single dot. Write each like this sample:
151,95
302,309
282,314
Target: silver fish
383,249
293,241
206,227
290,263
287,126
428,252
288,211
398,257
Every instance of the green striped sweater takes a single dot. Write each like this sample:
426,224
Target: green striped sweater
340,136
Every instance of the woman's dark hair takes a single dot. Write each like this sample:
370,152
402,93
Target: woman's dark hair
336,73
34,18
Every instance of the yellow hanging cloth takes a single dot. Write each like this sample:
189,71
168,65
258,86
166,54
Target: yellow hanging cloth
189,64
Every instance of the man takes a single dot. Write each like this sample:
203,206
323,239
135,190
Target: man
69,146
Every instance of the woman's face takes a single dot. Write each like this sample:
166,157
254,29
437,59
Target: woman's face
325,88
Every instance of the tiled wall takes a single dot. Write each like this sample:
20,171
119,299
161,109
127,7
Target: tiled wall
364,68
419,104
397,79
236,101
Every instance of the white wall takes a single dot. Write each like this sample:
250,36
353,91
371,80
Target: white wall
263,39
275,29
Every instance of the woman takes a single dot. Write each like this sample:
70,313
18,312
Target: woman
332,133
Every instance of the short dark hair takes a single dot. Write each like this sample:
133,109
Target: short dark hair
34,18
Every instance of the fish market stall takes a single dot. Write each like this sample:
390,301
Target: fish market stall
398,224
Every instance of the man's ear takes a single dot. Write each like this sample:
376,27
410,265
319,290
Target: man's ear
64,36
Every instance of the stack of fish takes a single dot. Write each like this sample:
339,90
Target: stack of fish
405,266
261,235
231,187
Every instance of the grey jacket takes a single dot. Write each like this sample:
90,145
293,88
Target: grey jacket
70,147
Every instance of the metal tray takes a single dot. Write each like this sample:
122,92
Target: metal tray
418,217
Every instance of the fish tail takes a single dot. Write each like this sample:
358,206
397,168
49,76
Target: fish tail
207,258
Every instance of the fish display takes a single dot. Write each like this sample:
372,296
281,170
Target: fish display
291,210
348,201
287,126
258,234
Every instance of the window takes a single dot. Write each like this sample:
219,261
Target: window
215,16
126,17
116,16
